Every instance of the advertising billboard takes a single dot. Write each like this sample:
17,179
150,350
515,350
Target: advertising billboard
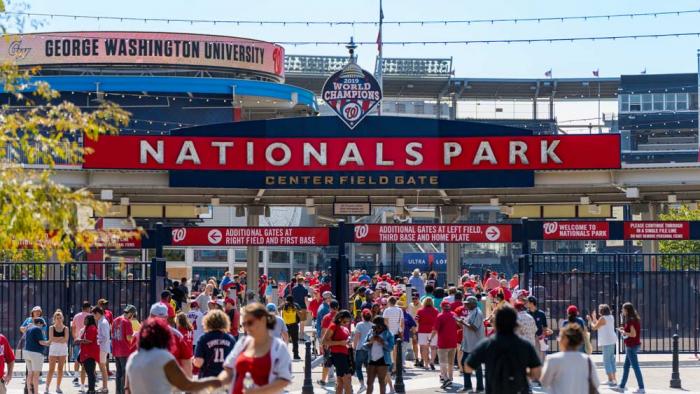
143,48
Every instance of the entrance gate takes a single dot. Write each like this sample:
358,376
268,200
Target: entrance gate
664,288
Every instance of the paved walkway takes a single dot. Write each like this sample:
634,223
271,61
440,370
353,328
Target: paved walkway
655,368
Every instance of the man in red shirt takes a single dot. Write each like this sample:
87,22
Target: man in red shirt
7,356
165,297
446,332
122,338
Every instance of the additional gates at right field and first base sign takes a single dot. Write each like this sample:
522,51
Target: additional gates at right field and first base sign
665,289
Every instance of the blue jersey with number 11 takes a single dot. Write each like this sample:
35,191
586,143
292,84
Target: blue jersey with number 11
213,347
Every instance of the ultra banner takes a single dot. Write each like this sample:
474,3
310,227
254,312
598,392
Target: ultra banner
250,236
449,233
354,162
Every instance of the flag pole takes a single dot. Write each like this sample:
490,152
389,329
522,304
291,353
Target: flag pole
380,58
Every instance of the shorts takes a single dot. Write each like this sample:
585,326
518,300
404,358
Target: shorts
302,315
103,357
58,350
446,355
76,353
341,363
33,360
424,337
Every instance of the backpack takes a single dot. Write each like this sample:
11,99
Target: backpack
289,315
508,373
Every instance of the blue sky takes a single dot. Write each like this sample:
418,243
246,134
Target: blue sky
500,61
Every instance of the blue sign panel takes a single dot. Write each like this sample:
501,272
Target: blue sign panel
425,262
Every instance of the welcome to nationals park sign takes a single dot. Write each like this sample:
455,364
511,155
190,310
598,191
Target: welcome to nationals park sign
380,153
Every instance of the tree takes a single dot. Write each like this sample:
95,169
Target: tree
37,128
684,213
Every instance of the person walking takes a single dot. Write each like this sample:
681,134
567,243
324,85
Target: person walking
185,357
34,343
291,315
7,357
104,340
153,369
336,339
279,329
446,332
572,317
607,339
473,333
214,346
393,316
509,359
77,325
58,350
89,350
543,331
569,371
425,317
417,282
122,338
258,357
378,343
361,355
300,294
631,331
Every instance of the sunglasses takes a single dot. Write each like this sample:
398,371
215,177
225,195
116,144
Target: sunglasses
248,322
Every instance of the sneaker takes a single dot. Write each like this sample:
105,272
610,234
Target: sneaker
639,391
432,366
362,388
297,358
59,391
618,389
321,382
76,382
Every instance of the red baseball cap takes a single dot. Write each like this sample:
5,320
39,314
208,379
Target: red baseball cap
445,305
519,305
230,301
572,310
366,312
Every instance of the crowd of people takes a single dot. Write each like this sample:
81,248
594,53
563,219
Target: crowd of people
489,330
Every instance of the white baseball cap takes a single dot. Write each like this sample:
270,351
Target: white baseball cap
159,310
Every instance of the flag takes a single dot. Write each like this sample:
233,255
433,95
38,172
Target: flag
379,34
596,72
644,71
548,73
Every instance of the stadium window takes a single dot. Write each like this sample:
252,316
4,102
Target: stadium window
400,108
220,255
681,101
419,108
624,103
646,102
279,257
240,255
635,103
658,102
693,102
670,101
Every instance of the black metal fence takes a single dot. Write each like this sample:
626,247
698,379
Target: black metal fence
664,288
55,286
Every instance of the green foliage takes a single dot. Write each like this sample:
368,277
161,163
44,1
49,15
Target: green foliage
672,248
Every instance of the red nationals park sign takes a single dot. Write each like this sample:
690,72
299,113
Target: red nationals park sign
573,230
372,154
657,230
250,236
398,233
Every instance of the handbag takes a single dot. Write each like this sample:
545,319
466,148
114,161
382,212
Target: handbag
592,389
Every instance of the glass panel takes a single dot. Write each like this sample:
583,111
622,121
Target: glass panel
670,104
299,258
693,101
210,255
658,102
624,103
279,257
635,103
174,254
646,102
681,101
401,108
240,255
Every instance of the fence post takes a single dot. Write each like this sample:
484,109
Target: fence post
308,387
675,374
398,385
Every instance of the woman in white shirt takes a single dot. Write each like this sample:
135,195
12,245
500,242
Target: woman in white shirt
153,369
569,371
606,339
